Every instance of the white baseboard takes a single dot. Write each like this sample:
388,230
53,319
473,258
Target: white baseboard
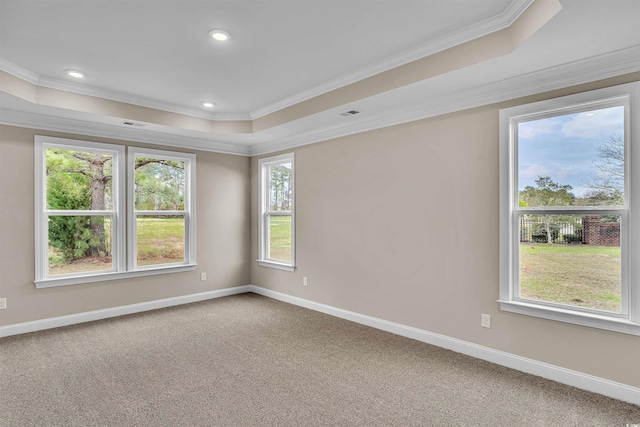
88,316
565,376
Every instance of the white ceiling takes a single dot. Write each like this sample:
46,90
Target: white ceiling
156,53
160,51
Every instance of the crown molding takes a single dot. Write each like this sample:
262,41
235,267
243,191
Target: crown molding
583,71
136,100
483,28
36,79
18,71
81,127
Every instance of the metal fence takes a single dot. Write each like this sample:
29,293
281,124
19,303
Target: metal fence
538,229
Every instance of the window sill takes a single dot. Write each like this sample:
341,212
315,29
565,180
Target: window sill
592,320
278,265
101,277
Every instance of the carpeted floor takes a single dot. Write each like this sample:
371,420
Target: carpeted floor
247,360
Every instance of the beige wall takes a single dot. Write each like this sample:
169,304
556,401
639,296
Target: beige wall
402,224
222,237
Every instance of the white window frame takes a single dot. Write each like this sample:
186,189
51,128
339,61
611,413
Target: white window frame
188,212
264,213
120,244
628,320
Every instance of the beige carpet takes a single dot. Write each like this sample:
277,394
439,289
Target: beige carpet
247,360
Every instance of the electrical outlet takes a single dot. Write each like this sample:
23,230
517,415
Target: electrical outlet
486,321
3,303
203,276
304,281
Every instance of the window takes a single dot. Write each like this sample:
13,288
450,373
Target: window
277,212
160,205
566,222
81,233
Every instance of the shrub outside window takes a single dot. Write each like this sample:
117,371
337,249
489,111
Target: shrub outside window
565,210
277,212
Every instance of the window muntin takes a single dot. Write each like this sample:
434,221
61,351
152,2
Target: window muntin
566,180
277,218
81,218
161,208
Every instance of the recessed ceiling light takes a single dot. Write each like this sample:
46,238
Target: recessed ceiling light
219,35
75,73
208,104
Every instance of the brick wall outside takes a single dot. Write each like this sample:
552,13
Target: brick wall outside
600,233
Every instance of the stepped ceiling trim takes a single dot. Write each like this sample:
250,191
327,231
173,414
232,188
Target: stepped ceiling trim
488,26
584,71
90,128
600,67
472,32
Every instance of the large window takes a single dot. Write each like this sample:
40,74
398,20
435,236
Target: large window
277,212
567,230
81,220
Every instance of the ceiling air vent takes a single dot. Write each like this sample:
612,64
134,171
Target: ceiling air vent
136,124
350,113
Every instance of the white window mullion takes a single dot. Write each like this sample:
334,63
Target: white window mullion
267,239
41,218
132,241
279,213
625,250
80,213
131,213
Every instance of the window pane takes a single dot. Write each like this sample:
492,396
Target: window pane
571,259
280,237
159,239
79,244
78,180
159,184
573,159
280,187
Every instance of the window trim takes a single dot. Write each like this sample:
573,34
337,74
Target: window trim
628,321
263,213
120,243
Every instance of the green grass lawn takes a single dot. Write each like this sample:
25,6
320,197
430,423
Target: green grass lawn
579,275
280,238
159,241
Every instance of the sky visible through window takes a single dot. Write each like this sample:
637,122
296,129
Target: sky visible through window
564,147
